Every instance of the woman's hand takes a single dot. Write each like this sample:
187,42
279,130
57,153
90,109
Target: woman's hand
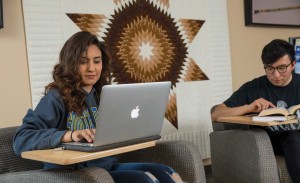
87,134
77,135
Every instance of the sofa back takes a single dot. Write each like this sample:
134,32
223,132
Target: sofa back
9,162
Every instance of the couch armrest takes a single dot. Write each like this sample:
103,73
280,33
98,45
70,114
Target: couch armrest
243,156
220,126
59,176
183,156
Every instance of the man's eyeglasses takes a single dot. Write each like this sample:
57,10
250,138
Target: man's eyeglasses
280,69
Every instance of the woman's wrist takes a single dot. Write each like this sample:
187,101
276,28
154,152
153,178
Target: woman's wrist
72,140
68,136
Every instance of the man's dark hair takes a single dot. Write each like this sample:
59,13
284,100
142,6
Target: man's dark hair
275,50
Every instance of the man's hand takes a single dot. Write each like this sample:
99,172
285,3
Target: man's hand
259,105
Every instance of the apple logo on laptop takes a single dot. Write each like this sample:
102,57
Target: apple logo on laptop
135,112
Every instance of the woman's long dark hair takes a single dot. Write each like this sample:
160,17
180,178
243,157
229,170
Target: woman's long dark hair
66,76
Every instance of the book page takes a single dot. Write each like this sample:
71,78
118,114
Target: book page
272,111
292,109
269,118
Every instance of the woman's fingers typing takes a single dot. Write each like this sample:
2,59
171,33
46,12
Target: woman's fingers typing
87,134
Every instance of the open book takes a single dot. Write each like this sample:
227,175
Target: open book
277,114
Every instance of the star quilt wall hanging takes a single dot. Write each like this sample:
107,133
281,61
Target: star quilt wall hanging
146,45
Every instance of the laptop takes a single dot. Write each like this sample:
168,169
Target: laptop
128,114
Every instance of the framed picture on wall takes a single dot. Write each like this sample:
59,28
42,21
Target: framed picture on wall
1,14
277,13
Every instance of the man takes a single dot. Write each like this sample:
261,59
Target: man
280,86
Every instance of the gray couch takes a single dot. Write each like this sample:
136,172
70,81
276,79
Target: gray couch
243,154
183,156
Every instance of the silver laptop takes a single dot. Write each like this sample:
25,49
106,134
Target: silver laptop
128,114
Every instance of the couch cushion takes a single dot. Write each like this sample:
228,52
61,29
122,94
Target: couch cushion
9,162
282,170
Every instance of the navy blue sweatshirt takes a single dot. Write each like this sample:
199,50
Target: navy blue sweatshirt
44,127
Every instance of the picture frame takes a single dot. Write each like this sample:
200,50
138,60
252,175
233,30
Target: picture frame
278,13
1,14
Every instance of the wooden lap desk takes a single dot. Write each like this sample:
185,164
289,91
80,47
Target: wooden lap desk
67,157
248,121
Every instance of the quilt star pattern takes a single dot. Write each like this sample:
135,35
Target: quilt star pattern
146,44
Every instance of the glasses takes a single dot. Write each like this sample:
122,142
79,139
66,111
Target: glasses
280,69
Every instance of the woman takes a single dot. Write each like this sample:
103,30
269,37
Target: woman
66,112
